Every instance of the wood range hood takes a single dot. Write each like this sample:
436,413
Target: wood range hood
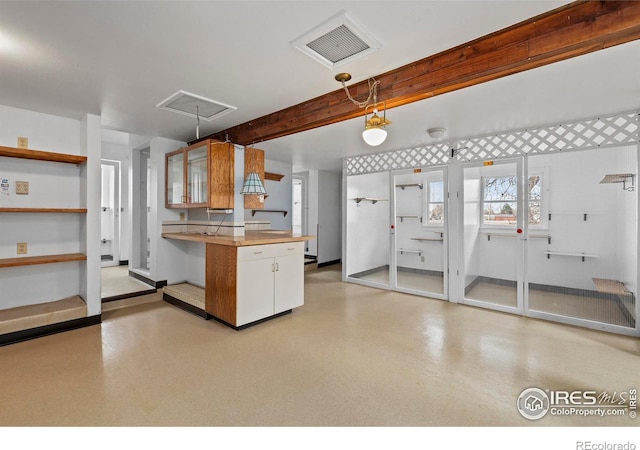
572,30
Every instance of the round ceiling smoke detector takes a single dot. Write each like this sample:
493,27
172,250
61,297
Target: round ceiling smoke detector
437,132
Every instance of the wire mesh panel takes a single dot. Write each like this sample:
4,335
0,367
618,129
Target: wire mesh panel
586,268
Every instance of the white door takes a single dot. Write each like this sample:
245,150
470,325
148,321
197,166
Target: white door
289,282
255,285
492,235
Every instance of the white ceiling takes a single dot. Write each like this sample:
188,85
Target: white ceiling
118,59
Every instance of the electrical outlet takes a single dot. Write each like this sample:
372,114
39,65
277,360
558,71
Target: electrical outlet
422,259
23,142
22,248
22,187
182,216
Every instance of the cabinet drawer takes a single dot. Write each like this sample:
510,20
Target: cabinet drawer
269,250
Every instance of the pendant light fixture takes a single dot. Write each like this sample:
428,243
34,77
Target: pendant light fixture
374,133
253,184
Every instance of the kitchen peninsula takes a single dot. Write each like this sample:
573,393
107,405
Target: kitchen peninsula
248,279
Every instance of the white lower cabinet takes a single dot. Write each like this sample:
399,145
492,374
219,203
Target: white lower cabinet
270,280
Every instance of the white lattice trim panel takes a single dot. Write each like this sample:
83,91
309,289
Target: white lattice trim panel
619,129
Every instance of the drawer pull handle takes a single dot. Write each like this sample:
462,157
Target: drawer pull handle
257,253
290,249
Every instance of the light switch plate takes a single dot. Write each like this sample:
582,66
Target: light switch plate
22,248
23,142
22,187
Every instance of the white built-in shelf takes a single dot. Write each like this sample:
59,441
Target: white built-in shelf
44,210
410,250
513,235
12,152
43,259
576,254
584,214
369,199
403,186
427,239
409,217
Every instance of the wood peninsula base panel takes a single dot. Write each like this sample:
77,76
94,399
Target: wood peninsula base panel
247,284
220,286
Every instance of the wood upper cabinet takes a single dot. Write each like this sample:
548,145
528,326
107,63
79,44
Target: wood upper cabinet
200,176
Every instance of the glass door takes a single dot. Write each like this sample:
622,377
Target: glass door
420,242
197,176
369,230
493,235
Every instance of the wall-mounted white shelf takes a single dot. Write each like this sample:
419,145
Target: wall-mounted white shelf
409,217
403,186
370,199
427,239
410,250
513,235
576,254
584,214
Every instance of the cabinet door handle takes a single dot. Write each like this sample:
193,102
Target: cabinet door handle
277,267
273,267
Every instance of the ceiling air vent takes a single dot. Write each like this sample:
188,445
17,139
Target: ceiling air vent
338,41
195,106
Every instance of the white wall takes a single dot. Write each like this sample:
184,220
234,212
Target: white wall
167,256
329,238
368,226
312,210
51,185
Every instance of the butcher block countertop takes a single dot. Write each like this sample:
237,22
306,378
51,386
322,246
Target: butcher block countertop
249,238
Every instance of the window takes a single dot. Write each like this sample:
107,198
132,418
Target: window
500,200
433,200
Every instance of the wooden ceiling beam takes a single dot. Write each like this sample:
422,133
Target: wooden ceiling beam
572,30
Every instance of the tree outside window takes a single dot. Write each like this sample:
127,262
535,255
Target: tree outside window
500,200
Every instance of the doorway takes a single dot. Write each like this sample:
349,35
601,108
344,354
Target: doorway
110,213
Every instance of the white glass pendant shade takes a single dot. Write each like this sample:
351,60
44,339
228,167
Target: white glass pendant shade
253,185
374,136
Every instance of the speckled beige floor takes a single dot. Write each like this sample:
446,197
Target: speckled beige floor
352,355
116,281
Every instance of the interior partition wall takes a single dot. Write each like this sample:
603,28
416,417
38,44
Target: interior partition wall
541,222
